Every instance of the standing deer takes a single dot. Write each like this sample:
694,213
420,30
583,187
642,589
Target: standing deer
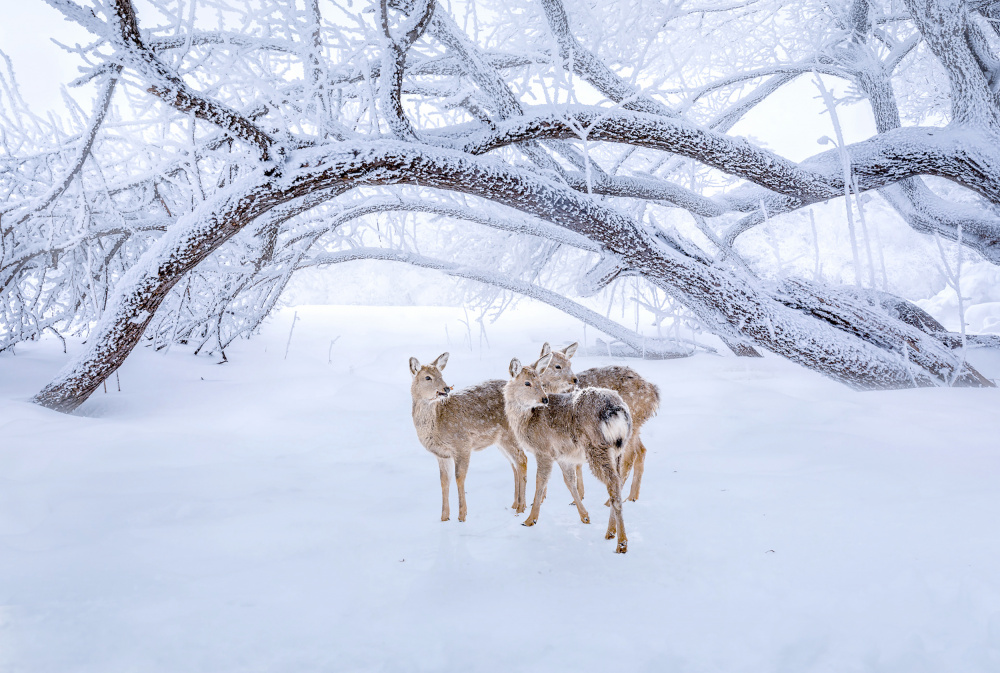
590,425
453,425
641,396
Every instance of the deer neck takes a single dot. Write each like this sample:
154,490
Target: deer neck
518,415
426,412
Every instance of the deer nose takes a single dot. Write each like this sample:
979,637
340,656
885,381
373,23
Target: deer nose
575,380
545,400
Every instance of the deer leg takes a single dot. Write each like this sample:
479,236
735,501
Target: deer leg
444,464
569,476
623,463
640,464
543,468
521,474
616,524
461,469
517,489
579,485
519,463
629,457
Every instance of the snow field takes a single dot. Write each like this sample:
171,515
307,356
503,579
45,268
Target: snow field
279,514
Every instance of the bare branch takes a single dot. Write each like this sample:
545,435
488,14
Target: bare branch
166,43
593,70
394,64
101,107
170,88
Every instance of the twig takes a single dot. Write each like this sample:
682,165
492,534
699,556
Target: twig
292,329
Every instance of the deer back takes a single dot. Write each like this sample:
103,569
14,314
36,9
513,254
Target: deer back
551,428
641,396
473,417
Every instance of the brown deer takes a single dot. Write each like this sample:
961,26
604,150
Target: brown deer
641,396
452,425
589,425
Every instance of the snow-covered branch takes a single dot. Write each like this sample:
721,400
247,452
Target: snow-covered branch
174,91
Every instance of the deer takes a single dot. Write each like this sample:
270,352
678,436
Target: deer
451,425
641,396
589,425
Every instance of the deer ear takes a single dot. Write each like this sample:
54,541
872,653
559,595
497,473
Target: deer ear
515,367
414,366
546,348
571,349
441,361
543,364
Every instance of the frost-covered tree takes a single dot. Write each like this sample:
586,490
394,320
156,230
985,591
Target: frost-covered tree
532,147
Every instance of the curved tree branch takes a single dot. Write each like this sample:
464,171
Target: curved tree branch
969,157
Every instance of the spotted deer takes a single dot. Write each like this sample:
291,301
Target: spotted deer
589,425
641,396
452,425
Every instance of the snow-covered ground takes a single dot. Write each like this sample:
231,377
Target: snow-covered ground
279,514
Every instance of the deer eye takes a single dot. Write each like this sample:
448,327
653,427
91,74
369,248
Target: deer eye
427,378
558,367
527,383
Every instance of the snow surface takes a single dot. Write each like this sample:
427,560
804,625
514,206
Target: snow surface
278,514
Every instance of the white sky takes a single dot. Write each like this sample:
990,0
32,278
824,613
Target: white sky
26,29
793,119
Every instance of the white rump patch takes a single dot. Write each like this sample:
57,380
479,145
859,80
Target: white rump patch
615,428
